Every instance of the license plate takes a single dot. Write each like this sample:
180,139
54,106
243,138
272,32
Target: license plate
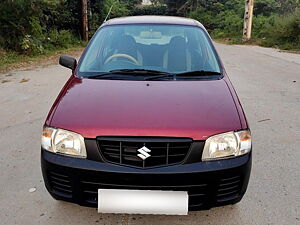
142,202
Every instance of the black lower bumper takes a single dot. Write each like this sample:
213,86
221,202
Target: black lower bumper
209,184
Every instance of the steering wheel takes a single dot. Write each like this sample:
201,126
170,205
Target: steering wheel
122,56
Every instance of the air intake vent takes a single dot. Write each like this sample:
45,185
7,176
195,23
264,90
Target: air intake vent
229,188
60,184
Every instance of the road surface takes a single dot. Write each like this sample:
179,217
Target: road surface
268,84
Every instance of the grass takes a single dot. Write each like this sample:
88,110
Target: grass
259,42
11,60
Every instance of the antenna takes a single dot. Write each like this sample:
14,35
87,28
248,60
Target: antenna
108,13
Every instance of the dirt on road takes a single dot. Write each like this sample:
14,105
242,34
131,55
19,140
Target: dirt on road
268,84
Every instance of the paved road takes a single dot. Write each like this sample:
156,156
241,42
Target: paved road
268,83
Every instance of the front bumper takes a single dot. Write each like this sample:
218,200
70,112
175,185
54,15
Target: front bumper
209,184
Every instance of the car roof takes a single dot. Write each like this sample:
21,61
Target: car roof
172,20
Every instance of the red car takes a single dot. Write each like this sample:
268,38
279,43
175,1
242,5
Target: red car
148,122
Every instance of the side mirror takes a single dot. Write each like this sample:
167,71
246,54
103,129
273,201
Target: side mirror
68,62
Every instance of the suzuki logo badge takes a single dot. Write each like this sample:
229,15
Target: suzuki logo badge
144,153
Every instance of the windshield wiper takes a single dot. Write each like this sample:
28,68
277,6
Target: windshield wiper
198,73
161,76
132,72
139,71
158,74
185,74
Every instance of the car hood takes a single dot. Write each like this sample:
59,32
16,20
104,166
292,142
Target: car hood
194,109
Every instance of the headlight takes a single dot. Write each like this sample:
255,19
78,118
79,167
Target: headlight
63,142
227,145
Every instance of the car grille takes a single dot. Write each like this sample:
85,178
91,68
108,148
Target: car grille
164,151
60,184
198,191
204,191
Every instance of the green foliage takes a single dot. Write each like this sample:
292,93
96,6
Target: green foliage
15,27
100,9
268,7
150,10
119,9
230,23
130,4
283,31
27,25
36,26
206,17
221,24
60,39
275,22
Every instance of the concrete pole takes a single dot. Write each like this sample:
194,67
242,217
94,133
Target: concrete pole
248,20
85,29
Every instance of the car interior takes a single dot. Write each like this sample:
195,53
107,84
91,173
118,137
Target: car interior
151,50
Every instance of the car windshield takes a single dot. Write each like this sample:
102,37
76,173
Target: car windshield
166,48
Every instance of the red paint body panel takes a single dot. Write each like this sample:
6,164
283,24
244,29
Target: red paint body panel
244,122
195,109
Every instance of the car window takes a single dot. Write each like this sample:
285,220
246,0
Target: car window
167,48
